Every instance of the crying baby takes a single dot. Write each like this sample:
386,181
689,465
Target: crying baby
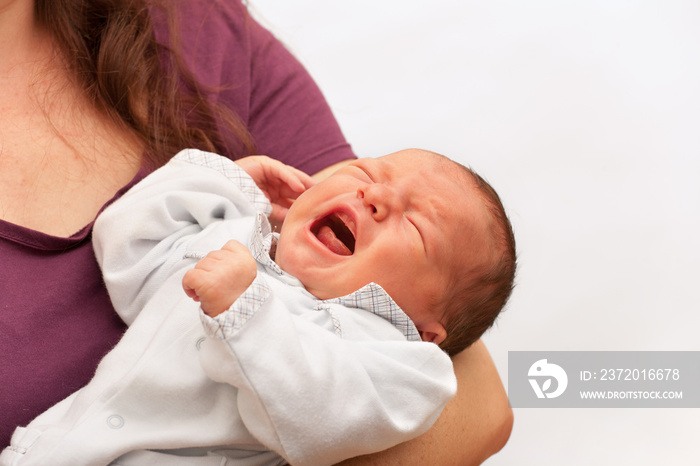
428,230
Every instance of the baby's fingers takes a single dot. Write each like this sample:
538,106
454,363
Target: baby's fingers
190,283
296,180
279,213
283,181
235,247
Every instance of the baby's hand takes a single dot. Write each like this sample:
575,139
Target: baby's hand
281,183
220,278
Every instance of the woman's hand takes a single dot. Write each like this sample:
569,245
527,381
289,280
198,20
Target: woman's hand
219,279
281,183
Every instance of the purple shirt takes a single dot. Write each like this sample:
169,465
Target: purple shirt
56,320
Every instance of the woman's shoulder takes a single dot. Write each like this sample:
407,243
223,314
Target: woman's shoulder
208,32
253,73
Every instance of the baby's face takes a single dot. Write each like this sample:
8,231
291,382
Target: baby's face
403,221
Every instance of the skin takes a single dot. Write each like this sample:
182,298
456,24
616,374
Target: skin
57,184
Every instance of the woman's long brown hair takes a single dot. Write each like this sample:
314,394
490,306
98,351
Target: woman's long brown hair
111,48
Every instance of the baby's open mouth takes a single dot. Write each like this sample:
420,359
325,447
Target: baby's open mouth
335,231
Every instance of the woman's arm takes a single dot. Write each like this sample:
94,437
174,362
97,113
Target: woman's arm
474,425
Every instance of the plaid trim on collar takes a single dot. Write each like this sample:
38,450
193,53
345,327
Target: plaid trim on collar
261,242
374,299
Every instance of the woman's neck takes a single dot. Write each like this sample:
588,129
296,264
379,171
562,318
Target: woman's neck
22,40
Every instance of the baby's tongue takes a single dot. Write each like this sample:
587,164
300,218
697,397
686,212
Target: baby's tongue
327,237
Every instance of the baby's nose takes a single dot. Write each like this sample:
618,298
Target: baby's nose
382,199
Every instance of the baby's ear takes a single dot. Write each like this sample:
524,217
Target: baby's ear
433,332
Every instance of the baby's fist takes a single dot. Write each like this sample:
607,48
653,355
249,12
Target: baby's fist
220,278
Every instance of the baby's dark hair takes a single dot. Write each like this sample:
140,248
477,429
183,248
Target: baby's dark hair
476,297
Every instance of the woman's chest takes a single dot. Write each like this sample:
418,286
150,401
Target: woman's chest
55,180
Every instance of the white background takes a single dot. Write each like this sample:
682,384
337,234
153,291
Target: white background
585,116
